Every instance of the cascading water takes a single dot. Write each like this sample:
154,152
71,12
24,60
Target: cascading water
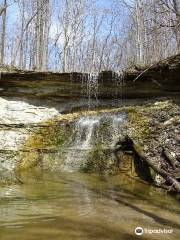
92,132
118,80
117,121
90,87
86,128
82,141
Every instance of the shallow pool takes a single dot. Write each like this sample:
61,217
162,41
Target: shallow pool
49,206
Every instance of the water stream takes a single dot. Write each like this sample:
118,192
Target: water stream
72,205
85,129
84,207
92,132
81,142
90,85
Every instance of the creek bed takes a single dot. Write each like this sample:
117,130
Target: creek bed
84,206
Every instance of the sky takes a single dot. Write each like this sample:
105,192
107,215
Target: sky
13,14
13,9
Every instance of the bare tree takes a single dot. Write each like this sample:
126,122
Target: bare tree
3,32
84,35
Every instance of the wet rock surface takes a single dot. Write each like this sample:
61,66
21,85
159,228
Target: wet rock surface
160,79
155,128
17,122
33,133
34,136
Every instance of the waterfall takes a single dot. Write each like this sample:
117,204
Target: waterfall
82,142
85,130
117,121
92,85
119,83
92,132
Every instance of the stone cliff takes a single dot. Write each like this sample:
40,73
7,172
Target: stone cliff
160,79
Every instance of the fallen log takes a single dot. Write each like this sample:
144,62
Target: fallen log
177,138
170,158
128,144
170,179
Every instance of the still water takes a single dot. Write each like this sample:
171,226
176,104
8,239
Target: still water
49,206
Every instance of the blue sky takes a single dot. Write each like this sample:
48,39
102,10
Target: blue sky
13,12
13,27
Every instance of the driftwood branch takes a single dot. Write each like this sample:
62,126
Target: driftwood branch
128,144
170,158
167,176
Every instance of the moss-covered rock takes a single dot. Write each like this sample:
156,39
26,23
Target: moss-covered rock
46,143
102,161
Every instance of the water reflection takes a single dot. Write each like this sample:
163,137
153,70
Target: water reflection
82,206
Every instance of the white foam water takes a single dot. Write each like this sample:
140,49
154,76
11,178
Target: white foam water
82,142
88,134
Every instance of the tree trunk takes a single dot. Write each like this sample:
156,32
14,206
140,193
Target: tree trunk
3,34
177,28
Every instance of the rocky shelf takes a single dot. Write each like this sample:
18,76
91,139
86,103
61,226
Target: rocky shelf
33,130
160,79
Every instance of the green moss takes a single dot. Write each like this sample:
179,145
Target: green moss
153,173
139,124
45,139
100,161
54,134
138,148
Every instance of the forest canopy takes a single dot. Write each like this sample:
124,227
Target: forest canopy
87,35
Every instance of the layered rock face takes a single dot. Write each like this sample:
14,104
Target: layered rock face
43,138
33,127
161,79
18,120
32,136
